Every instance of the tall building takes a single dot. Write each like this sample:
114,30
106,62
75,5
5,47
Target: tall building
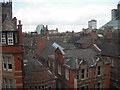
10,48
41,29
92,24
115,19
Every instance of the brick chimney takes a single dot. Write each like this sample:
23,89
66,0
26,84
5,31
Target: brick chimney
15,22
20,31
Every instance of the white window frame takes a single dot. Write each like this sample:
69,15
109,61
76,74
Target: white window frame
59,69
7,60
10,38
3,38
4,62
67,73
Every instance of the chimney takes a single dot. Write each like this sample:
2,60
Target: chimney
15,22
20,31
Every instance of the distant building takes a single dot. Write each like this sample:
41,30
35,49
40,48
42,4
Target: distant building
115,19
11,52
53,31
92,24
41,29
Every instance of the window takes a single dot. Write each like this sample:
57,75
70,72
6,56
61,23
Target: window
95,72
8,83
7,63
83,88
99,70
4,63
3,38
97,85
78,75
82,73
67,73
59,69
112,63
10,38
87,73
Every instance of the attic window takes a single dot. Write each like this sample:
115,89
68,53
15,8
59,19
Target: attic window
3,38
10,38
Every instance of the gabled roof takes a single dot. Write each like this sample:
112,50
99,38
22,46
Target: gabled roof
51,46
8,25
87,55
37,72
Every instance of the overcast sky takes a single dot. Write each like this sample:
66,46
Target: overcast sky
62,14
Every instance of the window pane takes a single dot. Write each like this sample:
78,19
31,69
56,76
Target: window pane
11,83
10,38
3,38
9,63
4,63
82,72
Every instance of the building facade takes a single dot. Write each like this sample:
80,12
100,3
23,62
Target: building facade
81,68
10,48
92,24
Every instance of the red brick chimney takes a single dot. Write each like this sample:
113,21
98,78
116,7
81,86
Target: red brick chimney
20,31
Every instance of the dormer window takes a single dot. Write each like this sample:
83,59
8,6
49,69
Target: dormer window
10,38
3,38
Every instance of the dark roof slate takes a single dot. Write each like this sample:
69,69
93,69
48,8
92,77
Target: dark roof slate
84,39
80,54
111,50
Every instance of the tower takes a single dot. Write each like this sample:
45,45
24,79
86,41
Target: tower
92,24
10,48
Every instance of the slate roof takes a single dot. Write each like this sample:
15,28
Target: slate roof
66,45
111,50
84,39
73,39
8,25
113,23
71,63
35,71
50,50
74,57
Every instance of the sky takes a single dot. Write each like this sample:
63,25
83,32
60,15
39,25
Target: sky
66,15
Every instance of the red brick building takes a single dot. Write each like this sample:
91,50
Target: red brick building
10,48
81,68
37,76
